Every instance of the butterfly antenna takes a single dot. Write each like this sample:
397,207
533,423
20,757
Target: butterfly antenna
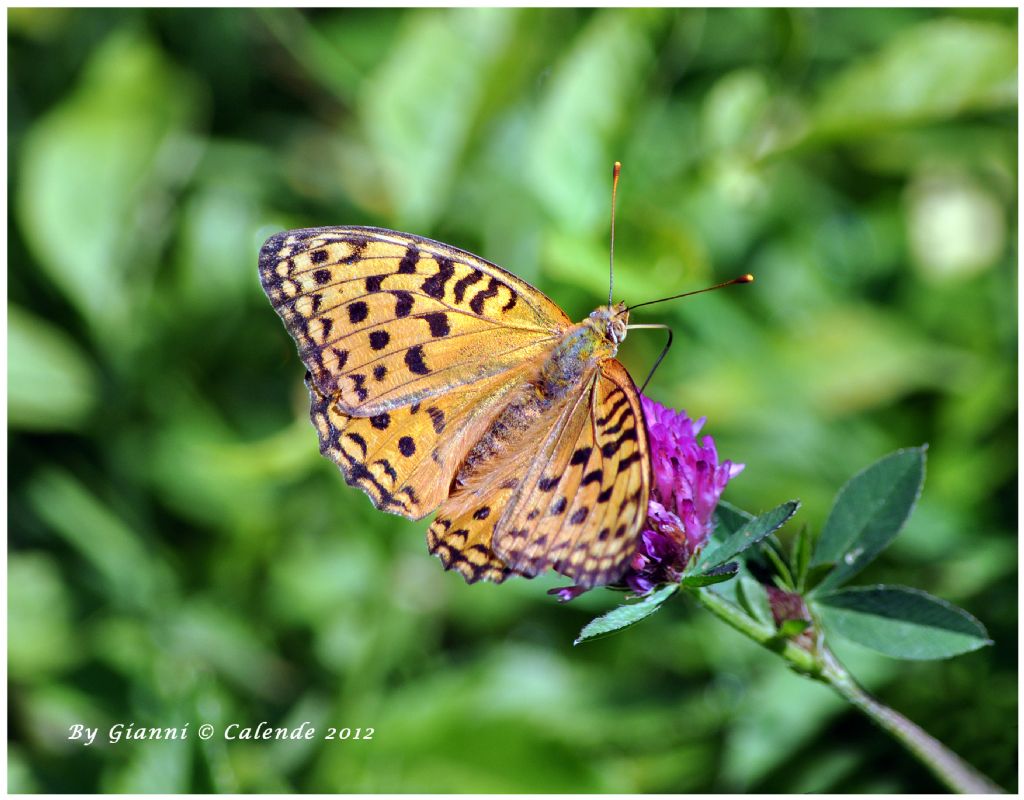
748,278
611,258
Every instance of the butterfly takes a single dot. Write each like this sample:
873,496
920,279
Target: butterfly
440,382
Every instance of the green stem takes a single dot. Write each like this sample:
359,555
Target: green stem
823,666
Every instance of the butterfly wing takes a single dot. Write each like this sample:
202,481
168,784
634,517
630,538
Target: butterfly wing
581,507
462,533
579,501
405,459
384,319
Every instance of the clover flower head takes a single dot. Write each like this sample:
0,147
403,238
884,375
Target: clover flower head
687,484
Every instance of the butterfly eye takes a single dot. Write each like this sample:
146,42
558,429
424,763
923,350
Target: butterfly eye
616,330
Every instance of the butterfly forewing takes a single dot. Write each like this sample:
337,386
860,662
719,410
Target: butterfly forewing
384,320
581,505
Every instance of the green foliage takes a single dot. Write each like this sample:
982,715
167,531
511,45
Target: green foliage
753,598
714,575
40,356
180,552
625,615
869,512
749,534
901,622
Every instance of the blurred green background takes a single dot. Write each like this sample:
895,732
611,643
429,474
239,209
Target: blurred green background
179,551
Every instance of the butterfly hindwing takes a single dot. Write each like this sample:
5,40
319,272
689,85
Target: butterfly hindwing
385,319
464,543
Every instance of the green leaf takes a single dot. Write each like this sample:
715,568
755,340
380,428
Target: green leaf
730,519
816,575
868,513
718,574
803,547
937,70
94,169
750,534
51,382
133,574
753,597
625,615
901,622
41,638
783,574
419,107
601,70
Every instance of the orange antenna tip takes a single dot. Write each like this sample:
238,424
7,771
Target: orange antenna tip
748,278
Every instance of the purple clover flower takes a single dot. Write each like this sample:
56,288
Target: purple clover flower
687,484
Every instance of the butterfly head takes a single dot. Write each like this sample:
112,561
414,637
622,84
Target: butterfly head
611,322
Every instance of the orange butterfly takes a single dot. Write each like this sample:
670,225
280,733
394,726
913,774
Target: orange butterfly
439,381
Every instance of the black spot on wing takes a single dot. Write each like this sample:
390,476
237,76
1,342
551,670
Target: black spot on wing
436,419
580,456
359,386
547,484
407,266
403,304
624,417
434,285
438,323
608,449
477,303
462,283
386,466
615,407
357,311
359,440
629,460
414,361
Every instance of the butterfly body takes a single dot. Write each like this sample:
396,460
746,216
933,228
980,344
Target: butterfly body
439,381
